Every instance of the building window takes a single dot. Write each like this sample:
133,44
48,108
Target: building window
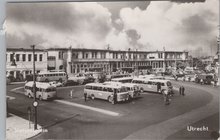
60,56
17,57
40,57
35,57
11,57
23,57
87,55
29,57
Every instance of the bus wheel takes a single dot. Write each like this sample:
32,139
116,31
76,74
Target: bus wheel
92,96
29,95
110,99
40,98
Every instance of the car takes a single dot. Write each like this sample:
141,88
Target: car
56,84
70,83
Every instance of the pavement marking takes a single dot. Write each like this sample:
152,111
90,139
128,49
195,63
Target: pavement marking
10,97
107,112
17,88
175,88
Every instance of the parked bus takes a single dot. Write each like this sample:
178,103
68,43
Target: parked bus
51,76
123,79
103,91
109,77
44,91
152,84
133,89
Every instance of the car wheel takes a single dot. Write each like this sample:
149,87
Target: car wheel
46,80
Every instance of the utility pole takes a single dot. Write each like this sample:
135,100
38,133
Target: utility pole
35,103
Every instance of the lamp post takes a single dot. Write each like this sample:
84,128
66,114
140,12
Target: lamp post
34,90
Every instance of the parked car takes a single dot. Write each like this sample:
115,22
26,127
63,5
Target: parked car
70,83
56,84
206,78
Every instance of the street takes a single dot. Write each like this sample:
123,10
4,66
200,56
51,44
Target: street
65,121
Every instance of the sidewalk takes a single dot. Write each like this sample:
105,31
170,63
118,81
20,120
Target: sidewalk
18,128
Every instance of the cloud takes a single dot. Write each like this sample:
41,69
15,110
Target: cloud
185,26
136,25
59,24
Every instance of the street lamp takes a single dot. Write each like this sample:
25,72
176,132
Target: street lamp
34,90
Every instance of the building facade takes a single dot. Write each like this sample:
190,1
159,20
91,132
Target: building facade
19,62
74,60
78,60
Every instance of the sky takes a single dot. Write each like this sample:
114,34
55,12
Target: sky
139,25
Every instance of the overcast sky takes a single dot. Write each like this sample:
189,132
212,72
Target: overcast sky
137,25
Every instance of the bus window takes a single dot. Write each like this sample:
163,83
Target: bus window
88,87
95,88
162,84
110,90
105,89
99,88
169,83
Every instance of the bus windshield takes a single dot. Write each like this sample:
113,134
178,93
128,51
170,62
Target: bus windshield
169,83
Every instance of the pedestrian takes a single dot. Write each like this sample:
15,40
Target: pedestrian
71,93
166,97
158,87
180,90
201,81
114,97
85,96
183,90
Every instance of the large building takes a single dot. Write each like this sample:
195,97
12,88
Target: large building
78,60
19,62
75,60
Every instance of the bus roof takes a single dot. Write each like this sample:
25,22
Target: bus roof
50,72
39,85
155,80
104,85
122,78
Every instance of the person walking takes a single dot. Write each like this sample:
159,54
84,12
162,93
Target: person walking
180,90
114,97
71,93
166,97
183,90
85,96
158,87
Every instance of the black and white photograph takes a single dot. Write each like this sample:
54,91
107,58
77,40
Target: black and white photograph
112,70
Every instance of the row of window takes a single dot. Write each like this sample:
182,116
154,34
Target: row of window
147,82
40,89
49,75
114,55
25,57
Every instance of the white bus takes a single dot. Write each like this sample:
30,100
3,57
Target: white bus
103,91
133,89
51,76
44,91
152,84
123,79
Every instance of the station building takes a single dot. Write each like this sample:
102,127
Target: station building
78,60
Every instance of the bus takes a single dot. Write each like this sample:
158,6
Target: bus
44,91
51,76
152,84
123,79
104,91
133,89
109,77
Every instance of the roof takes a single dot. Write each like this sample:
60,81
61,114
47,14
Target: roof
24,49
39,84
